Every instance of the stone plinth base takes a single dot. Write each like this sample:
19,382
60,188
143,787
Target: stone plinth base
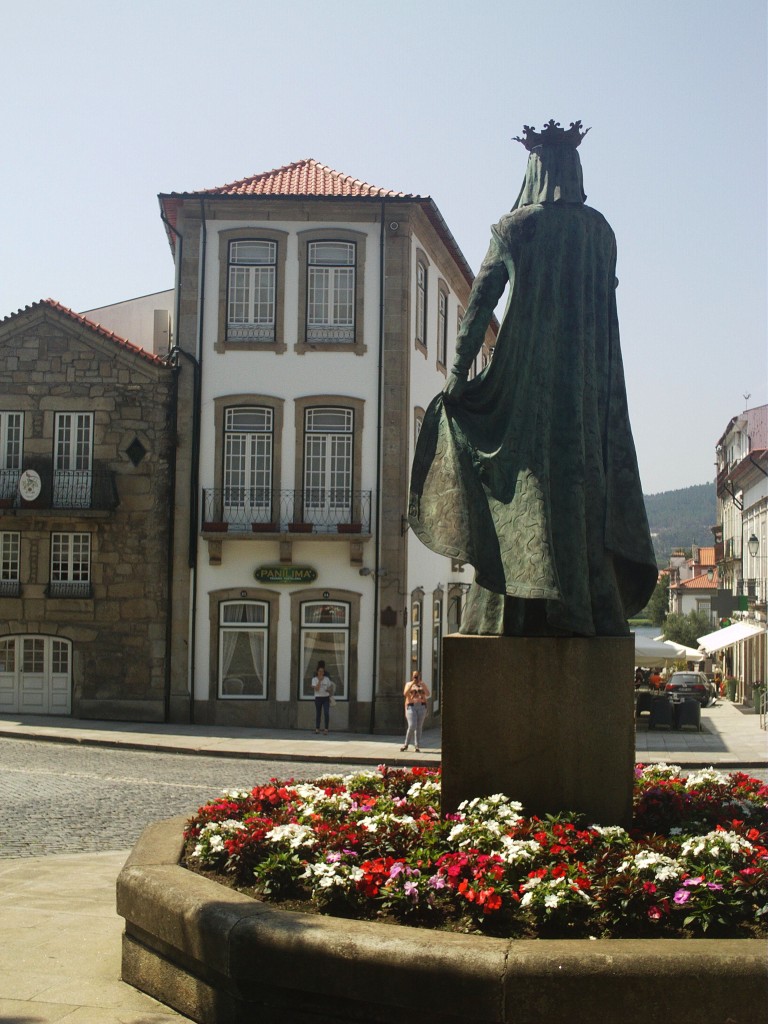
548,721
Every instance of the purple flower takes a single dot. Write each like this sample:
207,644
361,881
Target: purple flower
693,881
396,869
437,882
681,896
333,857
714,885
411,889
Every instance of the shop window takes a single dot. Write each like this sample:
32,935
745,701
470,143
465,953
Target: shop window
324,636
243,650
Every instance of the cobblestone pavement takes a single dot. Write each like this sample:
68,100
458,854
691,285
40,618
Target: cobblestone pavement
60,798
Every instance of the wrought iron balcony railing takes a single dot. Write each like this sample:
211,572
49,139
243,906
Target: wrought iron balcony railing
69,588
63,489
260,509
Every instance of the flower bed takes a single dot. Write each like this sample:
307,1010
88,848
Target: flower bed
373,845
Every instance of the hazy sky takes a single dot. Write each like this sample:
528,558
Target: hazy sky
105,105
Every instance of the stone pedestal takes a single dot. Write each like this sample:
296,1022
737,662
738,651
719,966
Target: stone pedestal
548,721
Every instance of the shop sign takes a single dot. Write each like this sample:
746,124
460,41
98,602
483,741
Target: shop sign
285,574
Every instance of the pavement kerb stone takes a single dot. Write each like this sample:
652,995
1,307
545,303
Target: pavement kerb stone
220,957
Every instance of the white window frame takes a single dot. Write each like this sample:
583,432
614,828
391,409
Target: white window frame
417,606
70,565
442,327
10,562
73,460
11,452
336,631
255,628
248,464
421,303
328,465
251,290
331,285
437,649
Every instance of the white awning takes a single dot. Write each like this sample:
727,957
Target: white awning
732,634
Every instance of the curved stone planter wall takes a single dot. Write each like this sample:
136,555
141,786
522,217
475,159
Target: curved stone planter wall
223,958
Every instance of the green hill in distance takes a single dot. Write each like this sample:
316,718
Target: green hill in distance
681,518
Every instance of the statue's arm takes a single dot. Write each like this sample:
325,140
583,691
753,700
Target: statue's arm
486,291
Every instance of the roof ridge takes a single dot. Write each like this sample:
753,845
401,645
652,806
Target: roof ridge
91,324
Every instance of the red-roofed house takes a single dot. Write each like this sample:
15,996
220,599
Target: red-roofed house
317,314
86,464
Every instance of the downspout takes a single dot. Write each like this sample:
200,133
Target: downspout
377,536
174,363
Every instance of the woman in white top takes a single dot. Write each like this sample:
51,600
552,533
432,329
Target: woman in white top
415,695
323,688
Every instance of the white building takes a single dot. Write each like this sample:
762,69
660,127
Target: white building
316,318
742,544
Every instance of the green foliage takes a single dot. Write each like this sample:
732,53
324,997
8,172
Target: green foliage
656,609
680,518
686,629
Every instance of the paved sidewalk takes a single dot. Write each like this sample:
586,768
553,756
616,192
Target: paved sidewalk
729,738
59,931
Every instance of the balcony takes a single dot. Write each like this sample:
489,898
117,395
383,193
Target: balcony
314,511
62,490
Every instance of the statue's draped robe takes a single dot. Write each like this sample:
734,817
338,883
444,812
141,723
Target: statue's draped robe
531,474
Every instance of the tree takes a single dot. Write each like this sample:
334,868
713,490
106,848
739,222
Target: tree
656,610
686,629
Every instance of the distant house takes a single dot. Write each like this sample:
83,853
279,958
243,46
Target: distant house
741,542
695,595
86,469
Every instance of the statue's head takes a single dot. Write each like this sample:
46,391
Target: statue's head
553,174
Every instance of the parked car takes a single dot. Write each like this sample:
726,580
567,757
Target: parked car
691,684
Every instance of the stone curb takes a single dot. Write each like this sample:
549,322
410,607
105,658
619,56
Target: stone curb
222,958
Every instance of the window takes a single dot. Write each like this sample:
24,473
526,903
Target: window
328,458
416,605
247,494
9,564
11,450
70,565
437,646
421,304
72,460
331,292
442,327
243,649
251,290
324,637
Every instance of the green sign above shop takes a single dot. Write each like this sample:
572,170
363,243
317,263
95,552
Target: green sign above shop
285,574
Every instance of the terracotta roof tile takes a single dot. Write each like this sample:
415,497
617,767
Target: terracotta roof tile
303,178
129,346
700,583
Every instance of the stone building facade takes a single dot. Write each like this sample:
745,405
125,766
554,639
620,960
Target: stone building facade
86,488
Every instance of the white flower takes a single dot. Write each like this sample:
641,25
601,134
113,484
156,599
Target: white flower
706,775
514,850
671,770
294,835
551,900
661,867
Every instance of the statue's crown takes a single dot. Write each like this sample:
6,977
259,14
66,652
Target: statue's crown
552,135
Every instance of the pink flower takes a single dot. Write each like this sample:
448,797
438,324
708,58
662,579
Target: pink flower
681,896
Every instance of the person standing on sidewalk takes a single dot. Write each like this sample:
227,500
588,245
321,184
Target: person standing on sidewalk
415,694
323,688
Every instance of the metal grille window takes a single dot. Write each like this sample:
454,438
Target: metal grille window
243,649
416,636
70,565
325,637
328,448
437,646
251,300
442,328
248,433
11,450
331,291
72,460
421,304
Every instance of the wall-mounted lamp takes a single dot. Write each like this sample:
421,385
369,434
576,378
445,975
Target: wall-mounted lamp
753,544
365,571
710,574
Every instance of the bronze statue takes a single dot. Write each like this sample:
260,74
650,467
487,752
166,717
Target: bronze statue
528,472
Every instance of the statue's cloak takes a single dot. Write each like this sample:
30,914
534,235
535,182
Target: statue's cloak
531,474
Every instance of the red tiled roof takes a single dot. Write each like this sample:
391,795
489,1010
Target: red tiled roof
129,346
303,178
312,180
700,583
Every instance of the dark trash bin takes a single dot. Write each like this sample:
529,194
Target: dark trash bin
644,703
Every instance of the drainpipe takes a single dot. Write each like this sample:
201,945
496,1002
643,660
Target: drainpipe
377,536
173,360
